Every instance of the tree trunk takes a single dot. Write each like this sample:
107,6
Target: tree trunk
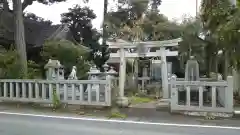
136,70
211,59
5,5
26,3
208,60
20,36
213,65
216,65
104,40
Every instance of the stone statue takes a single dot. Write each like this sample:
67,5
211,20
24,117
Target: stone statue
73,74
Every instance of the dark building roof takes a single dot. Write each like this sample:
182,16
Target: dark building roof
36,33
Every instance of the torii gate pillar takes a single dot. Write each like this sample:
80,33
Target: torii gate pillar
122,72
122,100
164,73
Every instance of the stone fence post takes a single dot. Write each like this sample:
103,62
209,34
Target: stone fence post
229,94
109,90
174,93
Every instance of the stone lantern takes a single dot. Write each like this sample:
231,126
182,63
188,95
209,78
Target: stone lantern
105,67
94,73
111,72
54,70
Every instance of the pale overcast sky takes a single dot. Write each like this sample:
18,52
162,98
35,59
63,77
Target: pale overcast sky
173,9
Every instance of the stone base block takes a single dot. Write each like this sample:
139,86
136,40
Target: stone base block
122,102
163,104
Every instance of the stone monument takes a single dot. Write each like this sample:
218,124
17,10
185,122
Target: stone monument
156,69
192,70
191,74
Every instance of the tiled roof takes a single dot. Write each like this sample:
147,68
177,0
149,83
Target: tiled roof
35,32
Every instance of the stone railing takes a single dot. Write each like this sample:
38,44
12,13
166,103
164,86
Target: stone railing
220,94
82,92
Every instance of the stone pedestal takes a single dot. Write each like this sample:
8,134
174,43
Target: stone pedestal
122,102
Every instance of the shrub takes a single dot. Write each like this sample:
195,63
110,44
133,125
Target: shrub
9,66
34,70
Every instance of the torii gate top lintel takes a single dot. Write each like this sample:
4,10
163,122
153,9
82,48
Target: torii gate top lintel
119,43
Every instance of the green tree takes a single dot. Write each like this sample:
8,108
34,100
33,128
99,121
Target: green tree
27,3
215,13
105,53
150,26
9,64
157,27
228,34
193,43
125,23
18,8
34,17
79,20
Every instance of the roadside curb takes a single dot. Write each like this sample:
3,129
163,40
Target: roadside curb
236,113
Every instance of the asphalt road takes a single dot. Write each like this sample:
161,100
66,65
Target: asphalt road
31,125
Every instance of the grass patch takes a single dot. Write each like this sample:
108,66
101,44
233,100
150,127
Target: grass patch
139,100
117,115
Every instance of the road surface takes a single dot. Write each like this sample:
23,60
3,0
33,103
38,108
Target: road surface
12,124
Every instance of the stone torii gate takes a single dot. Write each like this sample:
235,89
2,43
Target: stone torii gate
124,52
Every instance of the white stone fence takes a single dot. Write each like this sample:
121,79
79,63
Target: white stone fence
80,92
211,96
